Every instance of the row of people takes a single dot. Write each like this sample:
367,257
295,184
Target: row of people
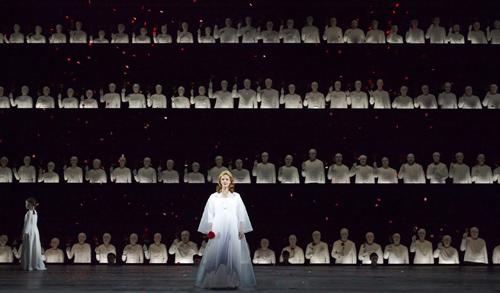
264,98
343,251
313,170
248,33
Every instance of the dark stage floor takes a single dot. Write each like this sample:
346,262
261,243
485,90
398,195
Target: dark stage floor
270,279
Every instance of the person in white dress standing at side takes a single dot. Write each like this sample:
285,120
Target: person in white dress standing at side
31,252
226,261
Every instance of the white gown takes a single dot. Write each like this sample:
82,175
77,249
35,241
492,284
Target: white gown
226,261
31,253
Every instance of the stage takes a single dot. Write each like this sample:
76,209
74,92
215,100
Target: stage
270,279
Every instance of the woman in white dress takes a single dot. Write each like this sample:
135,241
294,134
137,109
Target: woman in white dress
31,253
226,262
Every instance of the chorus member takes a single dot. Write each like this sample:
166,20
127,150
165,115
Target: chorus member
314,99
375,35
363,173
496,255
121,174
6,174
73,173
393,37
247,97
369,247
493,35
4,100
437,172
288,173
445,253
78,36
333,33
268,97
385,174
158,99
396,253
37,37
265,172
156,253
313,169
16,37
195,176
111,99
54,254
422,248
223,97
468,100
414,35
447,99
336,97
58,37
248,33
492,98
317,250
80,252
289,35
169,175
207,37
133,252
476,35
357,99
24,101
102,251
6,254
291,100
214,172
180,101
163,37
49,175
142,38
338,173
227,34
183,35
436,34
380,97
474,247
481,173
45,101
354,35
101,38
69,102
240,174
120,37
96,175
310,32
426,100
88,101
344,250
201,101
459,172
454,35
296,253
269,35
264,255
411,172
135,99
26,173
183,249
403,101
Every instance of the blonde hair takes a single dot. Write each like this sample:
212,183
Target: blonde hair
231,179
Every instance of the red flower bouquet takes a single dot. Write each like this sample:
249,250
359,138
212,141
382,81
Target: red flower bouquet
211,235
